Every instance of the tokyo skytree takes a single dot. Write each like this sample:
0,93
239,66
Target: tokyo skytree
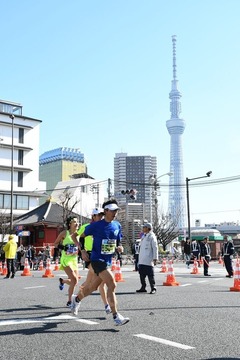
176,127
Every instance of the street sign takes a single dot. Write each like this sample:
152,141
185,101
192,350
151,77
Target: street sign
24,233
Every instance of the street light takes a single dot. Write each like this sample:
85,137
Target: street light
208,174
11,196
154,182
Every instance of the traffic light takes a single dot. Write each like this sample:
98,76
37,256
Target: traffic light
131,193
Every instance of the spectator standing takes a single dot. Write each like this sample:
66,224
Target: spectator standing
227,253
187,251
196,251
148,256
10,250
206,256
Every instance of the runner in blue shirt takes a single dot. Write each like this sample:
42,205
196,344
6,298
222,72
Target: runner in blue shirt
106,238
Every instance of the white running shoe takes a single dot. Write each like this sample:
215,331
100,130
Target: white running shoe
75,305
120,320
108,309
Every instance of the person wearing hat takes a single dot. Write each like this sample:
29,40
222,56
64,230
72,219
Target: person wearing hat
10,250
206,256
148,256
227,253
87,244
107,235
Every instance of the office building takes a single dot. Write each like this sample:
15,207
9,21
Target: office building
60,165
134,172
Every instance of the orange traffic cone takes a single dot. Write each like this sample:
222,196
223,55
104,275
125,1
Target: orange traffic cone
236,285
220,260
164,266
26,270
113,268
4,271
170,281
48,271
195,267
1,269
118,273
40,265
56,267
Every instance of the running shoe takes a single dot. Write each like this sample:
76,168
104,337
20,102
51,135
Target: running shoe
108,309
69,303
61,284
75,305
120,320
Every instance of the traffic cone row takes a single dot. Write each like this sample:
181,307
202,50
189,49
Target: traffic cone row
236,276
48,271
195,267
164,266
118,273
26,270
170,280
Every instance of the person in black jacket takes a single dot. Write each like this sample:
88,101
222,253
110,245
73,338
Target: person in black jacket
227,253
187,251
206,255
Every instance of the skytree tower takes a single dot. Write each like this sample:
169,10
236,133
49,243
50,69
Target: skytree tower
176,126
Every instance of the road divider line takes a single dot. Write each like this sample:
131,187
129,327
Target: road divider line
34,287
164,341
186,285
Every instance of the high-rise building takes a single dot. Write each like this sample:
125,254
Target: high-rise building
176,126
60,165
135,172
19,154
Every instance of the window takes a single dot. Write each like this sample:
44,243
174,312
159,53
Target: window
20,202
21,136
20,179
20,157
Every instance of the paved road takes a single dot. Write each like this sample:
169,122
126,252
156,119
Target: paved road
199,319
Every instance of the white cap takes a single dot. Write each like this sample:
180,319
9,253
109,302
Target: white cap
97,211
111,207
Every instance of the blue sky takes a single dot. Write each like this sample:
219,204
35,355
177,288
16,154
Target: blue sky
98,74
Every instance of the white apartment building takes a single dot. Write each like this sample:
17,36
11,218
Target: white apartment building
19,161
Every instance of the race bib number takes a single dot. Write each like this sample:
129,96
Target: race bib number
108,246
71,250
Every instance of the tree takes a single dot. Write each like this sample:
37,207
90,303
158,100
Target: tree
165,229
68,203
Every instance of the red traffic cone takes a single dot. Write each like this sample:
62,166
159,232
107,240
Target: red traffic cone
195,267
164,266
40,265
113,268
118,273
1,269
170,281
26,270
48,271
56,267
4,271
236,276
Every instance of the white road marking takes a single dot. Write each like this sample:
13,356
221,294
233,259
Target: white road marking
164,341
202,281
46,320
185,285
34,287
88,322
